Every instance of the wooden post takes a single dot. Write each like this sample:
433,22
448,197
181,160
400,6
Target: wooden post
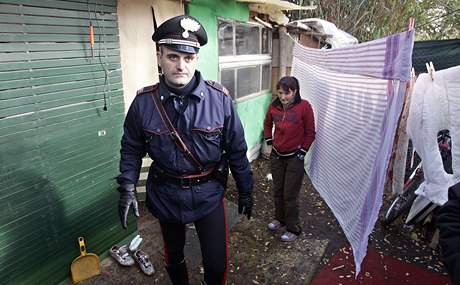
282,49
401,144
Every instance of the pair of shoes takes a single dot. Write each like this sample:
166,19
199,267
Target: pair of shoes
289,236
144,263
275,225
121,255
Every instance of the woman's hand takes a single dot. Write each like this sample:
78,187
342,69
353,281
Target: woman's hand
266,154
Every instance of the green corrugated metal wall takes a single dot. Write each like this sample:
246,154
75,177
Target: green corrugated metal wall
59,149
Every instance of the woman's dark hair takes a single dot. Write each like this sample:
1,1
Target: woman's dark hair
288,83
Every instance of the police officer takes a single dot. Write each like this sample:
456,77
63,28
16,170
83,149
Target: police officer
448,222
182,187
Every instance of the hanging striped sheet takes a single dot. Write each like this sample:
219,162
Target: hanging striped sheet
357,95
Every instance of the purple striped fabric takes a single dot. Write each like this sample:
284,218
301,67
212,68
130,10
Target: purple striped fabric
385,58
357,95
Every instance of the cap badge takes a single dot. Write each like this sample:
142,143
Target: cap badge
189,25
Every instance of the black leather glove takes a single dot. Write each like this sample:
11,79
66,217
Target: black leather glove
127,199
245,204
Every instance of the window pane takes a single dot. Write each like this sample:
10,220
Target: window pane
266,41
247,39
266,77
248,79
227,78
225,38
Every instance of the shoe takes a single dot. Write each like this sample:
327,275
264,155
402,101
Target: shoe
134,244
121,255
275,225
144,263
289,236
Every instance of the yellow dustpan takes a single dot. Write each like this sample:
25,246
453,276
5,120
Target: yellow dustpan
86,265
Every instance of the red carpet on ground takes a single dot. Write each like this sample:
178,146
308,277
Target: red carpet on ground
376,269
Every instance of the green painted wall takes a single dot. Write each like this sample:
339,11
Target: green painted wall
207,11
252,112
252,115
56,168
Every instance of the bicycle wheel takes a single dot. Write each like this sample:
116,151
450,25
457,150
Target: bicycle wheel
402,203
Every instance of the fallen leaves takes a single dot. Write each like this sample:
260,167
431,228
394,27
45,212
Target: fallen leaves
338,267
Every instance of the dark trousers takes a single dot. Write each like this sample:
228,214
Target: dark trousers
287,180
212,232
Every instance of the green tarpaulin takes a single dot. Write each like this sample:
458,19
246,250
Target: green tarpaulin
443,54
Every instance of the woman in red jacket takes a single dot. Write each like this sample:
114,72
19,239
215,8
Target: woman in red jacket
294,133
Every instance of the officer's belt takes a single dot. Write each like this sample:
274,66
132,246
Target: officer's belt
186,181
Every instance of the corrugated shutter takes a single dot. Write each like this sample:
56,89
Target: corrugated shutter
59,149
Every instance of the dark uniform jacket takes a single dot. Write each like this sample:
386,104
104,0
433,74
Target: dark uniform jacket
448,222
208,125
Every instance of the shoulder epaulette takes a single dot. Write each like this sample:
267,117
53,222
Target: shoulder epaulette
147,89
216,85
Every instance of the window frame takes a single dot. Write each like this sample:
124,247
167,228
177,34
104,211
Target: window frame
234,62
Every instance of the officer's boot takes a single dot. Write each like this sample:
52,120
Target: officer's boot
178,273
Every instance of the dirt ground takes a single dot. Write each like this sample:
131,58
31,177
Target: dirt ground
406,244
251,245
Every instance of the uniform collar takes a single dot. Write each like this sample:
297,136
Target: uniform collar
200,89
198,92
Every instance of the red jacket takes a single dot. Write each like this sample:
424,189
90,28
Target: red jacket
294,127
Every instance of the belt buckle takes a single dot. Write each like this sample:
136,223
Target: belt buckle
185,183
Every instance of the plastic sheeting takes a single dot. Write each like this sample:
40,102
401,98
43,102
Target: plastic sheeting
337,37
435,106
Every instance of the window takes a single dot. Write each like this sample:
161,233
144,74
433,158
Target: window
227,78
248,79
225,38
247,39
244,58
